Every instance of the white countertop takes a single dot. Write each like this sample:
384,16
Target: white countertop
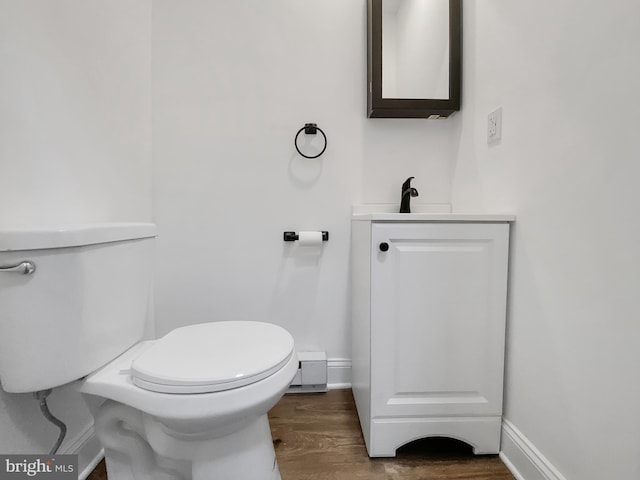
424,213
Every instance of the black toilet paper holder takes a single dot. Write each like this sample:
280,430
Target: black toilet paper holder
293,236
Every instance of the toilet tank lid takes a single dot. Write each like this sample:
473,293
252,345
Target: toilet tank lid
73,235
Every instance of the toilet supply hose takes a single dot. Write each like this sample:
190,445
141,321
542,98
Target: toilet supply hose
41,396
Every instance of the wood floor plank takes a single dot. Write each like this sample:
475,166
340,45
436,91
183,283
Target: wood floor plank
318,437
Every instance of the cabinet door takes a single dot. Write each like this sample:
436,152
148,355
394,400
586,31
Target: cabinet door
438,296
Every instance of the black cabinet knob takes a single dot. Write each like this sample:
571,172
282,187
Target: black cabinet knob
384,246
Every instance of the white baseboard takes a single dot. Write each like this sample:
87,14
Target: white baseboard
338,373
522,458
89,451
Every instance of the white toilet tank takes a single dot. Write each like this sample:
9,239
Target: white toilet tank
85,303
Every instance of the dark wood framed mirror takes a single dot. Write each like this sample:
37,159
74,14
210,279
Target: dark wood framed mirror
414,55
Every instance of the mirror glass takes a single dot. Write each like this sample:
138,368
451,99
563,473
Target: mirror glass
415,49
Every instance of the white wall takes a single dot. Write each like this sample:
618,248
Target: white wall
566,74
232,84
74,123
75,146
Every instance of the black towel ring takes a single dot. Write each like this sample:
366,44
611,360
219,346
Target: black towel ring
310,129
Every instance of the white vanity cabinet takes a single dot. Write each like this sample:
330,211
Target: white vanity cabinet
429,305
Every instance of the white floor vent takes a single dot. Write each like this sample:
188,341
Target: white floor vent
312,373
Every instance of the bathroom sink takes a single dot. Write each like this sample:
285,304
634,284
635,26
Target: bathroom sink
423,212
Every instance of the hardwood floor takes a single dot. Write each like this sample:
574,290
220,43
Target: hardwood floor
99,473
317,437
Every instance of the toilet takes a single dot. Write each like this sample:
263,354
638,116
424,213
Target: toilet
191,405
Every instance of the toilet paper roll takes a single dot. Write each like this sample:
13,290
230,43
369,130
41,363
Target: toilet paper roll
310,239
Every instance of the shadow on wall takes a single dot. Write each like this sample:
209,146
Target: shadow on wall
305,172
295,290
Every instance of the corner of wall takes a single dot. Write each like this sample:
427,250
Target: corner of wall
522,458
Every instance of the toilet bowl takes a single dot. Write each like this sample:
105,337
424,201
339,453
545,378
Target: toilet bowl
198,397
190,405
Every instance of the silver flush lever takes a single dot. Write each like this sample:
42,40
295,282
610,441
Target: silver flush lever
26,268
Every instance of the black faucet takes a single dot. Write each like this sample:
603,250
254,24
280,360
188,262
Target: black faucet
407,192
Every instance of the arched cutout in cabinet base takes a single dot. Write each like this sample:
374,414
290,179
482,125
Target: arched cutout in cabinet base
435,447
387,435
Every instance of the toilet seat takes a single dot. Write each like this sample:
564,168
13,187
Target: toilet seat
212,357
